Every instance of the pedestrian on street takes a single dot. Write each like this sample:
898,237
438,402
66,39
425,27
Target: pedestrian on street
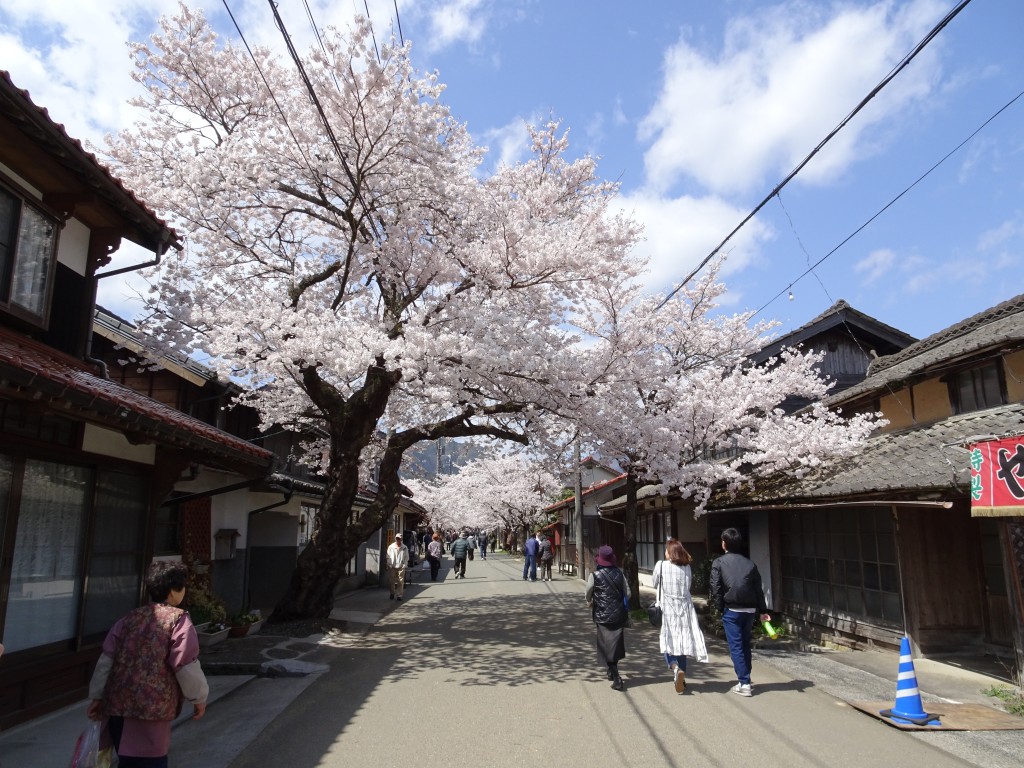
530,549
471,544
149,666
460,550
482,542
735,587
398,561
547,556
434,555
680,631
608,595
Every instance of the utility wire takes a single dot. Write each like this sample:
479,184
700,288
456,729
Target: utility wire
401,37
323,115
891,202
874,92
270,90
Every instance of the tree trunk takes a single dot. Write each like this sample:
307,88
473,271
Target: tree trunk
630,566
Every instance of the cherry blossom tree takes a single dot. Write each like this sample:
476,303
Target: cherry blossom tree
348,261
507,492
681,404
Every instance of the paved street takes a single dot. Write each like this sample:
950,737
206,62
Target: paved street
494,671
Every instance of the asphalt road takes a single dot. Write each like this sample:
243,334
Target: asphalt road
495,671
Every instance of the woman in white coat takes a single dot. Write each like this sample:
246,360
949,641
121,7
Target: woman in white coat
680,632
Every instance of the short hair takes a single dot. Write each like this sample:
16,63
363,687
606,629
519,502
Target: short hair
676,552
732,538
436,537
164,576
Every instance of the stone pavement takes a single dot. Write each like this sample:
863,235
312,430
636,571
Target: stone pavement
252,679
270,683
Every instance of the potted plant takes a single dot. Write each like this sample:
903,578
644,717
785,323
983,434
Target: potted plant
207,613
242,623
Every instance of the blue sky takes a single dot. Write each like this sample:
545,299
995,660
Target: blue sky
699,110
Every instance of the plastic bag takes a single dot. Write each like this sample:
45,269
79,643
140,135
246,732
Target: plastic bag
87,748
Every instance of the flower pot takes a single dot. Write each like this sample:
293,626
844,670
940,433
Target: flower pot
255,626
241,630
212,638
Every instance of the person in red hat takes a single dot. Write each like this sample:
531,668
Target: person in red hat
608,597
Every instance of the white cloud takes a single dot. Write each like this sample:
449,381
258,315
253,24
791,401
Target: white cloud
999,236
681,232
783,79
875,265
508,144
455,21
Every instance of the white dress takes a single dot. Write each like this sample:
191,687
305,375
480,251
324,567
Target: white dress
680,632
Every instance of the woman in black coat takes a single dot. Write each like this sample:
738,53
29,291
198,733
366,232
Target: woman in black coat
608,596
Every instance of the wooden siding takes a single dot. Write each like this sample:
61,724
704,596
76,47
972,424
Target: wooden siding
942,583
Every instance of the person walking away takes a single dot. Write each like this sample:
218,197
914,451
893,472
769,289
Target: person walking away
148,668
680,631
607,595
547,556
530,550
482,542
398,561
735,587
471,544
434,555
460,549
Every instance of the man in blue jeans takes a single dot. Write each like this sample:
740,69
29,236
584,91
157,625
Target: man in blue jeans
736,589
530,549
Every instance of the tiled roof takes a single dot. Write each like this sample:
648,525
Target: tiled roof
924,459
33,369
986,330
16,105
592,489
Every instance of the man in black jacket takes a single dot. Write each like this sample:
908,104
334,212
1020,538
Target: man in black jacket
736,590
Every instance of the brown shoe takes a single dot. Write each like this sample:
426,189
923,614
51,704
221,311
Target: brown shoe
680,681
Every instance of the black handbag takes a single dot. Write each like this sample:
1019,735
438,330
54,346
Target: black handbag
654,610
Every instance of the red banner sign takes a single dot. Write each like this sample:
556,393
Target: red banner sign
997,478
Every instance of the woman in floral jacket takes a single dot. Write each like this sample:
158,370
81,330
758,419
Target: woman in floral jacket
149,666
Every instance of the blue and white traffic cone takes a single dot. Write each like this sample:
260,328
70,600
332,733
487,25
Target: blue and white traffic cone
908,708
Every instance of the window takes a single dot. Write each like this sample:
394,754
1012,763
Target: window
309,522
45,582
977,388
843,560
28,240
167,530
651,532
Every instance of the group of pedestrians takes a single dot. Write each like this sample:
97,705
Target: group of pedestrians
735,589
538,551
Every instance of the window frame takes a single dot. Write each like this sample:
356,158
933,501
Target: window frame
953,384
21,199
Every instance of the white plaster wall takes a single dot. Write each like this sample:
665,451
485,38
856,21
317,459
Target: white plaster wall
73,248
107,442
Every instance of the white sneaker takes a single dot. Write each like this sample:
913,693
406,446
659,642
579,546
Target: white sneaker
743,689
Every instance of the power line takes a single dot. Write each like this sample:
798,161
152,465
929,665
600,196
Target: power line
270,90
320,111
893,201
401,37
874,92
